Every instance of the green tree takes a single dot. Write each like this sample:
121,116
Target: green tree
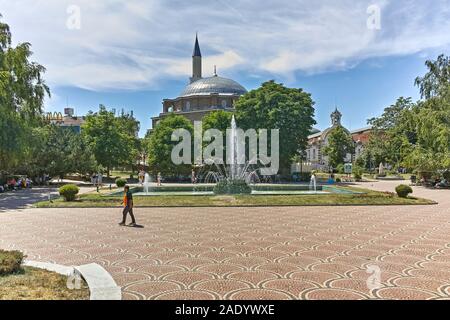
57,151
220,120
340,143
22,93
417,135
393,133
436,81
159,146
274,106
112,141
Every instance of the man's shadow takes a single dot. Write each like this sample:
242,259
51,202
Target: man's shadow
137,226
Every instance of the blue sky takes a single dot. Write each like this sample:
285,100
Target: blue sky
132,54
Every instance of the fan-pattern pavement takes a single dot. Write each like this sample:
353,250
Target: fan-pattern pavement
251,253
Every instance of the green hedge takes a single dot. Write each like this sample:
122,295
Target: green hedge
403,191
10,262
69,192
120,183
232,187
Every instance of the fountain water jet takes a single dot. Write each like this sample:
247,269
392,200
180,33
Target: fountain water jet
147,181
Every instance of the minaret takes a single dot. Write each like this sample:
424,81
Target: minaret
196,62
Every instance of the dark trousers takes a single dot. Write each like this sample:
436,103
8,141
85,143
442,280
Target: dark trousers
127,210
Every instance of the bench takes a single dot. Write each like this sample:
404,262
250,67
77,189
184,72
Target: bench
101,285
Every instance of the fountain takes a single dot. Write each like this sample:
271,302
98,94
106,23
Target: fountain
147,181
313,183
237,176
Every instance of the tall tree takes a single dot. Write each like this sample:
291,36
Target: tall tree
159,146
437,80
417,135
340,143
274,106
111,140
22,93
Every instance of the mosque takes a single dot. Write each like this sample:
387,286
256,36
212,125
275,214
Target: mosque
202,95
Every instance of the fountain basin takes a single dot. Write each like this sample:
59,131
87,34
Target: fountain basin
257,190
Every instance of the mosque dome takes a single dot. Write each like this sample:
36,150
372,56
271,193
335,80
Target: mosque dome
211,85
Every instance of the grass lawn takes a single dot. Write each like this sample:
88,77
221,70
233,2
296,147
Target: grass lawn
369,197
123,174
36,284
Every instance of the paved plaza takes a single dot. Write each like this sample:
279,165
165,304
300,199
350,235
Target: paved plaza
251,253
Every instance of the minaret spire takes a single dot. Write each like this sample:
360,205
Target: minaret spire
197,52
196,61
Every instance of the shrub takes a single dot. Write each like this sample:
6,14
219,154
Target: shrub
121,182
403,190
69,192
10,262
232,187
357,173
338,180
340,168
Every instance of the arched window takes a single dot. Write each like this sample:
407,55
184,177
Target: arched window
187,106
224,104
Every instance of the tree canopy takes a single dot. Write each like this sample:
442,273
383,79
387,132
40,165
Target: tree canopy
417,135
340,143
159,146
274,106
22,93
112,139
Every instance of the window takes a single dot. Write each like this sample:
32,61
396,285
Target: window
188,106
224,104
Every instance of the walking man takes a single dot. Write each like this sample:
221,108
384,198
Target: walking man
128,207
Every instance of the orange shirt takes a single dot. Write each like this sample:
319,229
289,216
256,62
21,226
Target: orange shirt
125,200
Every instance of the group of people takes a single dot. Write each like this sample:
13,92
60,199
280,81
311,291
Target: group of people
97,179
441,183
16,184
141,177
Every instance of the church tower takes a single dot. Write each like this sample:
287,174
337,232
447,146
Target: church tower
196,62
336,117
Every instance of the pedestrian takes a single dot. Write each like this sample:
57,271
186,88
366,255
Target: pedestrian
141,177
128,207
193,178
159,179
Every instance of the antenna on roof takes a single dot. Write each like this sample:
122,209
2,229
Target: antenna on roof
215,71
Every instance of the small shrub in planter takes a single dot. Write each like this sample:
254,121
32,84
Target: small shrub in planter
121,182
338,180
232,187
10,262
69,192
403,191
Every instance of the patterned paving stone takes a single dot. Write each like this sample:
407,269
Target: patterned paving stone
251,253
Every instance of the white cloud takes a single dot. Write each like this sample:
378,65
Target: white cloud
134,44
